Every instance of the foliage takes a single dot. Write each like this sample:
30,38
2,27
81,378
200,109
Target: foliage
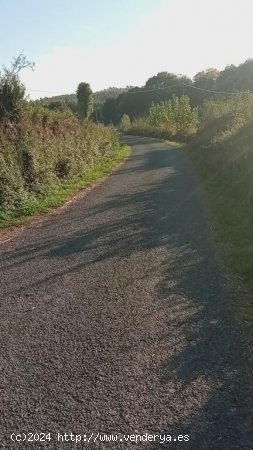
206,79
54,105
137,101
163,86
141,126
12,91
45,149
112,92
70,101
238,106
19,63
222,152
84,100
176,115
101,97
170,119
125,122
61,192
112,103
58,102
109,111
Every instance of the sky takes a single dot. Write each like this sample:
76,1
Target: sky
121,43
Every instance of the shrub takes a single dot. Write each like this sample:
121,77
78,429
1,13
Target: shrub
176,116
12,91
45,148
125,122
174,119
223,145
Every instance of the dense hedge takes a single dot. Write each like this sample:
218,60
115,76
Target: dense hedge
222,152
173,119
44,149
223,145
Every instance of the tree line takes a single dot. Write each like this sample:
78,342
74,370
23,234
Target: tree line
71,101
109,105
162,87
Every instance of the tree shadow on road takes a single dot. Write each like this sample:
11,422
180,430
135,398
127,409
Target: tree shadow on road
163,218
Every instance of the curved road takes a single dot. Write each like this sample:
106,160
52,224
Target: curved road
113,319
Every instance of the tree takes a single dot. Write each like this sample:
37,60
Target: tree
56,106
12,91
161,80
17,64
84,100
100,97
136,101
206,79
236,79
110,112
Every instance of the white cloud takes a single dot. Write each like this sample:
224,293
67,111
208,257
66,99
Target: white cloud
182,36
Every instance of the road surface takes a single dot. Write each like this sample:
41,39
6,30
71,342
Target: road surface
114,320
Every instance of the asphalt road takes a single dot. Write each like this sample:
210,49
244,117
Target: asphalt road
114,319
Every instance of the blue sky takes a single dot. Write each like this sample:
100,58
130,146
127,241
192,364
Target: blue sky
119,43
38,26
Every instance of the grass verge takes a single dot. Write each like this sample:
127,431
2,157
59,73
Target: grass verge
61,193
231,218
232,223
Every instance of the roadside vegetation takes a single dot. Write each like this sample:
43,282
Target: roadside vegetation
218,132
136,101
48,154
70,101
50,148
222,152
171,119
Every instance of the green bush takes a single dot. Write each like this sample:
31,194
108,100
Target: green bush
125,122
46,148
176,116
223,144
239,107
174,119
222,152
